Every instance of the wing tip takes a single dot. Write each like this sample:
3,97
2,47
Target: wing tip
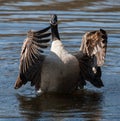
98,83
38,31
18,83
103,31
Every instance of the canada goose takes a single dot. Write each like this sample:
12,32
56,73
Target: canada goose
61,71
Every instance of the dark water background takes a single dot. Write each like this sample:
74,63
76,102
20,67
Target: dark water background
75,18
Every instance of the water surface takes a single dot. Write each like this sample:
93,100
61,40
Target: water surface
75,18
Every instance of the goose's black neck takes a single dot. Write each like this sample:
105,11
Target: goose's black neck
55,33
54,27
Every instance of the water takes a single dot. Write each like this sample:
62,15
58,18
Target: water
75,18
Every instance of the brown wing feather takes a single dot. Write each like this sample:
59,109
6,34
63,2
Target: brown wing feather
91,57
31,58
95,43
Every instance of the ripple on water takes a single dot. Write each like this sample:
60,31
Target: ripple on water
75,18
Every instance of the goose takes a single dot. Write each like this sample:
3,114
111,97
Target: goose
60,71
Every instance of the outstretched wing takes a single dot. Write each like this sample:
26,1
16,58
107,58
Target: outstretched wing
95,44
91,57
31,58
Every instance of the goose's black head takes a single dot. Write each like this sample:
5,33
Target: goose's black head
53,20
54,27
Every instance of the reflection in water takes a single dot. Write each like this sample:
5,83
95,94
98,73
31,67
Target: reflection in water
83,105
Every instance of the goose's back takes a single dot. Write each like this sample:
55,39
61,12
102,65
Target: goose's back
60,73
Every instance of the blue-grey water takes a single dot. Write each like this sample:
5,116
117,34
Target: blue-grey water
75,18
